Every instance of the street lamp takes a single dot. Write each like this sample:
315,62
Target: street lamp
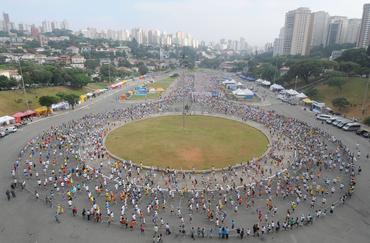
23,86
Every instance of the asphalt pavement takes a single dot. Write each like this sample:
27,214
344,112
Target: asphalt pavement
24,219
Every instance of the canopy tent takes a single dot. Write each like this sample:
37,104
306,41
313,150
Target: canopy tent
276,87
159,89
152,90
245,93
118,85
301,96
291,92
226,82
21,115
307,101
60,106
29,113
83,98
266,83
6,120
239,84
259,81
42,110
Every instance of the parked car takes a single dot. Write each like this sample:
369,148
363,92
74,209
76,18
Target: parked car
3,134
332,119
342,123
352,126
11,129
363,132
323,117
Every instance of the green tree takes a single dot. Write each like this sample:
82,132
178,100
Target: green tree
6,83
358,56
48,100
340,102
269,72
350,68
305,69
143,69
337,82
92,64
312,93
72,99
78,78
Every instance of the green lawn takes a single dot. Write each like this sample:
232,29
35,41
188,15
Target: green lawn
14,101
163,83
353,90
205,142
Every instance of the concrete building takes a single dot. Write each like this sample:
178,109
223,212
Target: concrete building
353,30
364,35
337,31
320,24
279,43
297,34
6,23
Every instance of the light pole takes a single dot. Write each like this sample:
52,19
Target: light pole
23,86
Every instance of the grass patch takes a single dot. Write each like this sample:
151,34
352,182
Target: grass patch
353,90
163,83
13,101
205,142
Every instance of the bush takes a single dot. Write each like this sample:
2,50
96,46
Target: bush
367,121
340,103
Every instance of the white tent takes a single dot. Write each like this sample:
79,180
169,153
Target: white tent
6,120
301,96
243,92
291,92
276,87
60,106
239,84
259,81
226,82
266,83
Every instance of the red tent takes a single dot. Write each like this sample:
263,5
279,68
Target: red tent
29,113
18,116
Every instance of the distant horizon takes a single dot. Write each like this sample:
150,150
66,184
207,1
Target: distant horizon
207,20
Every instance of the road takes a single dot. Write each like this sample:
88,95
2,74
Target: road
27,220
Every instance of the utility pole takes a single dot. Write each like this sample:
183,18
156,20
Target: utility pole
23,86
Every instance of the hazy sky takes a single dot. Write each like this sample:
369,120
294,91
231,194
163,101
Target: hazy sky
258,21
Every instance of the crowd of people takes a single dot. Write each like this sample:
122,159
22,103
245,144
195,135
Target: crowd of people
305,174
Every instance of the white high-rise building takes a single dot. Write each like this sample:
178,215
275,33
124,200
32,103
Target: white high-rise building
364,36
46,26
279,43
353,30
320,24
337,30
297,34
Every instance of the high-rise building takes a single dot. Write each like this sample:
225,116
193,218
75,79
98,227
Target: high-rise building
6,23
337,30
364,36
353,31
320,24
297,32
46,26
279,43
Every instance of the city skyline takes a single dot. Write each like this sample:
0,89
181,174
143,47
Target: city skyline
218,19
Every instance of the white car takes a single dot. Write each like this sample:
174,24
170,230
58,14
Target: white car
323,117
11,129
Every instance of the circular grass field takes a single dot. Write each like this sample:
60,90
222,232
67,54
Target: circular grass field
204,142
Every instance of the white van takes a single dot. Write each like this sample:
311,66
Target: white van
352,126
323,117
